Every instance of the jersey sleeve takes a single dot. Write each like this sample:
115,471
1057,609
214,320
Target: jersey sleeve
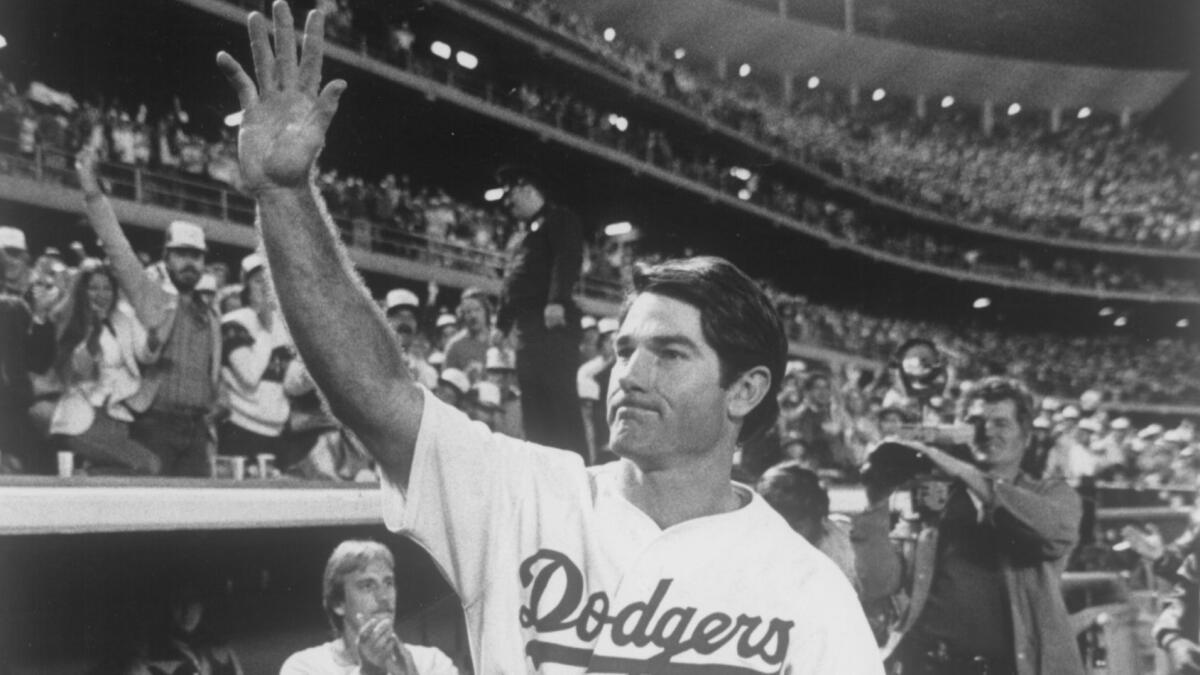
836,639
472,493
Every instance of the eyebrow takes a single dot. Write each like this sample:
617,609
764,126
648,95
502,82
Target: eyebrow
662,341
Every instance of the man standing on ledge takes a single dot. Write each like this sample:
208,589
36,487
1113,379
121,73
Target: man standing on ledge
656,563
537,301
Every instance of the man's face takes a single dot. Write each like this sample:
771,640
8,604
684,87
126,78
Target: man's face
890,424
16,265
368,592
665,400
818,392
260,292
184,267
522,201
1004,441
474,316
404,322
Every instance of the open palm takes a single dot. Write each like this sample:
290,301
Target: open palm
284,118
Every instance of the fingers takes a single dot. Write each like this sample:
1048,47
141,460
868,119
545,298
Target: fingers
247,93
260,47
312,52
327,103
285,44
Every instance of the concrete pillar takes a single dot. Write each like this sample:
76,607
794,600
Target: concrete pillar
787,88
988,118
922,107
1056,119
722,68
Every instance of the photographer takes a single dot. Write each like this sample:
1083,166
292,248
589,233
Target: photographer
981,578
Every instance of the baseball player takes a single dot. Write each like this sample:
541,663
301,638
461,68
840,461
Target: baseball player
655,563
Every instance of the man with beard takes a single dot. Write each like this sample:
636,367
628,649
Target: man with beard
467,350
403,308
179,387
359,595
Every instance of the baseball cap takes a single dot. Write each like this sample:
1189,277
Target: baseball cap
608,325
587,322
488,394
401,297
1150,431
11,237
1120,423
1070,413
207,284
252,263
446,320
1089,424
182,234
498,359
457,379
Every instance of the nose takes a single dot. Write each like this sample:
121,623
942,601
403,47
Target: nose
634,373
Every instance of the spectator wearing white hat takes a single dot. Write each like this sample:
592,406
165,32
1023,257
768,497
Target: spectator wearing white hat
16,261
501,371
179,387
403,308
467,350
483,403
591,381
257,355
452,387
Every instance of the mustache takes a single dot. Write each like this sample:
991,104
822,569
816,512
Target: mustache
626,401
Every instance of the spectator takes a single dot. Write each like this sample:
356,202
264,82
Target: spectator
26,344
403,308
16,261
467,350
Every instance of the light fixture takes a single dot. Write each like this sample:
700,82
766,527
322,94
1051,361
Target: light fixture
680,52
3,42
467,60
494,195
744,195
233,119
744,70
947,101
617,121
610,34
1182,323
1107,311
1014,109
1121,321
441,49
878,95
618,229
1084,113
740,173
814,82
982,303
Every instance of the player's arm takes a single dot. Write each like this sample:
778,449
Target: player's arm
337,328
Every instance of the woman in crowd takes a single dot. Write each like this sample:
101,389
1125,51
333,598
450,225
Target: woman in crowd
99,349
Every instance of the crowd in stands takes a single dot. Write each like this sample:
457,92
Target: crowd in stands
1090,181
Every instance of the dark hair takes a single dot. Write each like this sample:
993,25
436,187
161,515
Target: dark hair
75,324
480,296
795,492
995,389
736,318
244,291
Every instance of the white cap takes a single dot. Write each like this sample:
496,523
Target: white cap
1120,423
1175,436
498,359
182,234
402,297
1089,424
457,379
437,359
1150,431
608,325
1089,400
207,283
1070,413
1050,403
488,394
587,322
251,263
446,320
11,237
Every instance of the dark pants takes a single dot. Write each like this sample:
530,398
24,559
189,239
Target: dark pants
180,439
108,448
547,361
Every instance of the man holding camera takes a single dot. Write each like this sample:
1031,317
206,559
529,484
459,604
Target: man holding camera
981,580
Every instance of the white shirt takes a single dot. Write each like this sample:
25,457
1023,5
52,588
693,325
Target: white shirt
558,573
328,659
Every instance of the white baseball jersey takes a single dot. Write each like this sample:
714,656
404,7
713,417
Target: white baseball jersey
559,574
328,659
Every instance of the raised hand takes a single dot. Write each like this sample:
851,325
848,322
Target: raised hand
284,118
85,167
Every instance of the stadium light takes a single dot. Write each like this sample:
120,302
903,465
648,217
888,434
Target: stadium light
3,42
1014,109
467,60
1182,323
610,34
878,95
680,52
947,101
618,229
441,49
233,119
744,195
744,71
982,303
494,195
1106,311
1084,113
740,173
1121,322
617,121
814,82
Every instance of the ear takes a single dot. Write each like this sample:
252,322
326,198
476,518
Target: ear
340,609
747,391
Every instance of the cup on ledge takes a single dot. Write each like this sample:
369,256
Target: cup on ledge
266,465
66,464
229,467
